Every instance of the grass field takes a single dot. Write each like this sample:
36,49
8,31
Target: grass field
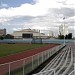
7,49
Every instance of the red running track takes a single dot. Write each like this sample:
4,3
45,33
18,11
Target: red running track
4,69
25,54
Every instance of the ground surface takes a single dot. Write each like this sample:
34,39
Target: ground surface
24,54
8,49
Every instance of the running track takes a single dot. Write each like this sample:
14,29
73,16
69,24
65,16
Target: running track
25,54
4,69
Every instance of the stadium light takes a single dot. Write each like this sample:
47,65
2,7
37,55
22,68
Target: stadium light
64,29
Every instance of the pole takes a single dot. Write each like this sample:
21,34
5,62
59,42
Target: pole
9,68
42,57
32,62
64,29
23,66
38,59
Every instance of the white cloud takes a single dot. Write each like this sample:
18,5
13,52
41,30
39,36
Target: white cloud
24,10
39,9
17,29
42,11
70,2
2,5
4,20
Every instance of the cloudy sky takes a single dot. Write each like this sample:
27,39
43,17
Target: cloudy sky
46,15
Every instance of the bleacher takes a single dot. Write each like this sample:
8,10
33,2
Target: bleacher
62,64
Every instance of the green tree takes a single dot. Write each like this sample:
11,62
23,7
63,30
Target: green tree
66,37
61,36
1,37
8,36
70,36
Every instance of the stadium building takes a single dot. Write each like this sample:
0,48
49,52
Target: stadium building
28,33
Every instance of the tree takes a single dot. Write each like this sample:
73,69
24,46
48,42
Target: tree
70,36
61,36
8,36
1,37
66,37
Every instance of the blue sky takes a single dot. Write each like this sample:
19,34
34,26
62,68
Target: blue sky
37,14
16,3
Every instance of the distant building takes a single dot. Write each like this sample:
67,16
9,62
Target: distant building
2,32
63,29
50,34
28,33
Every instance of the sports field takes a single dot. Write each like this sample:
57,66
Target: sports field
7,49
13,52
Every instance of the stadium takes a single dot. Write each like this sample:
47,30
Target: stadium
37,37
49,58
28,33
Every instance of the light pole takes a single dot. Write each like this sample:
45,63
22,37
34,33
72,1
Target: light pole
64,29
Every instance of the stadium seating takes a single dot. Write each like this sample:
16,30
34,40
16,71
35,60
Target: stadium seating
62,64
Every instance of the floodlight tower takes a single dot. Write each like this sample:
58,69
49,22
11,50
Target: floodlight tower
64,29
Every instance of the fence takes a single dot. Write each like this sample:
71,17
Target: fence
26,65
36,41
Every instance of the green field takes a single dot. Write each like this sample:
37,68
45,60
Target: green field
7,49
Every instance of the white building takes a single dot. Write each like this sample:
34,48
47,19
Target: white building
50,34
63,29
28,33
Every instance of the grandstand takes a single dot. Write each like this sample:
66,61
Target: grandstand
62,64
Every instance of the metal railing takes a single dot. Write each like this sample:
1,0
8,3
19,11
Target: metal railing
26,65
47,71
72,73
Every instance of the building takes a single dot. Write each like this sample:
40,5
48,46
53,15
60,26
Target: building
28,33
2,32
63,29
50,34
